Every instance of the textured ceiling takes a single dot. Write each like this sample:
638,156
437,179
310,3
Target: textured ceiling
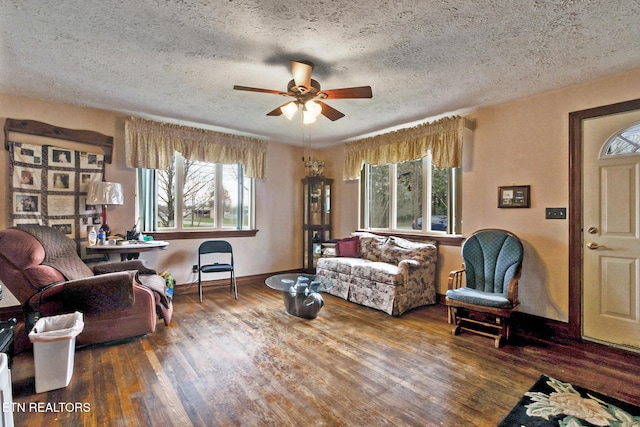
177,60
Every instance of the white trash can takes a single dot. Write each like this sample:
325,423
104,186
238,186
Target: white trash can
54,342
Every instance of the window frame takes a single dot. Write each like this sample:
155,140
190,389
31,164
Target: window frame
454,202
627,137
217,231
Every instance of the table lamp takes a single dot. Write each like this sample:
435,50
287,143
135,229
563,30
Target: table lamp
105,193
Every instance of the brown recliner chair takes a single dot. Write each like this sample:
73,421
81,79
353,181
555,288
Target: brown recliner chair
41,268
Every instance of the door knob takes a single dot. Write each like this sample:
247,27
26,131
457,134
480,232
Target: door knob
593,245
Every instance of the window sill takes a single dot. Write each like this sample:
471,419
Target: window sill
200,234
442,239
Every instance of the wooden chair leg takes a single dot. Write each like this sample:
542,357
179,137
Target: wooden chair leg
496,327
454,320
503,332
498,341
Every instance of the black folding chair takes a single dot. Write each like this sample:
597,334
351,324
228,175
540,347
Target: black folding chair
216,247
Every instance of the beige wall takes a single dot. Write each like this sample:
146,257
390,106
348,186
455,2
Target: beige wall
277,245
524,142
521,142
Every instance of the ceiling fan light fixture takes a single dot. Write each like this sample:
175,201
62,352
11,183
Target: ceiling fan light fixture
304,89
308,118
313,108
310,112
289,109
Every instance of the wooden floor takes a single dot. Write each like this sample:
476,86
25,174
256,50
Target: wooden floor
246,362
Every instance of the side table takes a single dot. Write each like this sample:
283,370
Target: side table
131,250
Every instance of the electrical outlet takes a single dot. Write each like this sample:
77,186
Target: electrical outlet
556,213
194,269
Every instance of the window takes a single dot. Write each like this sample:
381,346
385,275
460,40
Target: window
623,143
192,195
411,196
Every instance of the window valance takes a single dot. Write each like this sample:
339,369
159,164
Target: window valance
152,145
443,137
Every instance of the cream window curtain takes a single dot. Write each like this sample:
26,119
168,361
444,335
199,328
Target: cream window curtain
443,137
152,145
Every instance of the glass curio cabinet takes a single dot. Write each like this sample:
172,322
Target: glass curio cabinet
316,221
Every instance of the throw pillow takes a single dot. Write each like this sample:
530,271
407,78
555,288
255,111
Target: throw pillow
349,247
397,249
370,245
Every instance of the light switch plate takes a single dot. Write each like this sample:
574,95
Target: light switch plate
556,213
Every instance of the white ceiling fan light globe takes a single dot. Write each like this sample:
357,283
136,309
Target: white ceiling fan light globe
313,108
308,118
289,109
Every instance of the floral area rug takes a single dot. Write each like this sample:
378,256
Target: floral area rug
551,402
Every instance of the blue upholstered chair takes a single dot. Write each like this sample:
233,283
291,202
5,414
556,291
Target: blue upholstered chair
483,303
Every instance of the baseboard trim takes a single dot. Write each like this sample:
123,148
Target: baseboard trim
524,323
541,327
188,288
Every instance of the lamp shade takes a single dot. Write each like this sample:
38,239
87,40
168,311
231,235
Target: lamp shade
105,193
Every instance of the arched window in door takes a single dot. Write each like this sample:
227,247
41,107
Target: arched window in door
625,142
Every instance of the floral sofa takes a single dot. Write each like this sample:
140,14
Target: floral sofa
390,274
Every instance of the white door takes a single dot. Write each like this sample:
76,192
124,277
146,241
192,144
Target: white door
611,233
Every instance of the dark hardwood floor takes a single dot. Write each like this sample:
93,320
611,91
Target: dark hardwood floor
246,362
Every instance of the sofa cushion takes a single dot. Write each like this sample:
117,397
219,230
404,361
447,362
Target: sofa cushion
329,251
370,245
349,247
396,249
378,272
341,264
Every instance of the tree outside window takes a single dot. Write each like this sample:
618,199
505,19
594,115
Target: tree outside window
402,196
203,195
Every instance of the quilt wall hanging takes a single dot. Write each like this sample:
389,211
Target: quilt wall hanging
48,186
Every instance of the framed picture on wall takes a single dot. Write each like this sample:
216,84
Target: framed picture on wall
517,196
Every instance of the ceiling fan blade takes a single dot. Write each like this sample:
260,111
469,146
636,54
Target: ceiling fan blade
256,89
330,112
277,111
349,92
301,72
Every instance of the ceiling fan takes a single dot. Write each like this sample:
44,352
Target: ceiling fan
309,95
